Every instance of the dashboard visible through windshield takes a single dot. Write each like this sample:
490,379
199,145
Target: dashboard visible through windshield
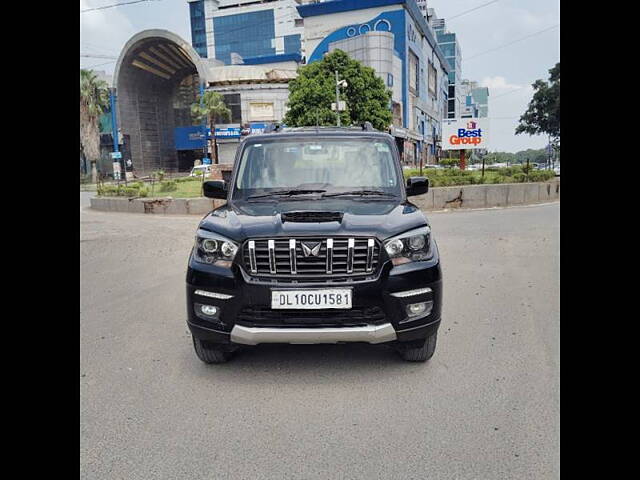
335,166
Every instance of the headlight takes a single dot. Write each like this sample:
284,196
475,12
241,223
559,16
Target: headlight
410,247
214,249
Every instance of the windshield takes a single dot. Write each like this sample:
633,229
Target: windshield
314,166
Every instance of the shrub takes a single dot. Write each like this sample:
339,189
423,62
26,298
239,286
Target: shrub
450,162
541,175
133,190
519,178
168,186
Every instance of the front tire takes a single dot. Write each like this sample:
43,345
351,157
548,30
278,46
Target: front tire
209,352
421,352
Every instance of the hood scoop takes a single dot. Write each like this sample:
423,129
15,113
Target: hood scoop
311,217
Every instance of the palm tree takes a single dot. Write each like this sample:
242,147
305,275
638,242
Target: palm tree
211,106
94,99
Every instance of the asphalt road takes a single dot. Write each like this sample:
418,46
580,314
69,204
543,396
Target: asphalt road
485,407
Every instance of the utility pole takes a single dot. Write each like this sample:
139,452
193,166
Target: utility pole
337,98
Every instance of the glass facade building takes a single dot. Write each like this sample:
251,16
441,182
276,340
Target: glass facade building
258,30
198,27
247,34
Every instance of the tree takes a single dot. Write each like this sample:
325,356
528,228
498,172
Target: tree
211,106
543,114
94,99
312,92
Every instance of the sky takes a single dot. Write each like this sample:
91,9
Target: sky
508,72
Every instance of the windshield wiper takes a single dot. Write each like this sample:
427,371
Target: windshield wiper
359,192
286,193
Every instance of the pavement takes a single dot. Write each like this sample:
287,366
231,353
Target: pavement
485,407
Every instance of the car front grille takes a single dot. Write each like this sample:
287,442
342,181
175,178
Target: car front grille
266,317
311,257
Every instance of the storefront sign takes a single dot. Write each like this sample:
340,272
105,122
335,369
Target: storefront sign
261,111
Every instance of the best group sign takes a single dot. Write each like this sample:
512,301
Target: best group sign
465,133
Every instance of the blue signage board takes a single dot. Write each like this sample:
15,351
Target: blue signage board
115,155
188,138
230,132
257,127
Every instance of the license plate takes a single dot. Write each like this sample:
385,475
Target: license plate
311,299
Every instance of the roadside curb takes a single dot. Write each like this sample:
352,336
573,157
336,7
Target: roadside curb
161,205
462,197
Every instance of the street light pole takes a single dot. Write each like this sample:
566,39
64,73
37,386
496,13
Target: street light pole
337,98
115,134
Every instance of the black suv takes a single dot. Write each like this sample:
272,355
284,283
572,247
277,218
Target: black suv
317,243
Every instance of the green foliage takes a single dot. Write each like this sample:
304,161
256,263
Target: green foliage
543,113
454,176
450,162
135,189
312,92
94,100
211,106
158,175
168,186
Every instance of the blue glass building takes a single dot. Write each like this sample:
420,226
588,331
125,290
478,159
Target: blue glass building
255,31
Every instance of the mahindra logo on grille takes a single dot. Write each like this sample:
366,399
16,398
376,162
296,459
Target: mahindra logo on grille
310,251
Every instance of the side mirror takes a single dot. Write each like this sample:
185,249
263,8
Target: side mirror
417,186
215,189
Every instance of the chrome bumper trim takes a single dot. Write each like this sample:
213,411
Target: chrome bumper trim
370,334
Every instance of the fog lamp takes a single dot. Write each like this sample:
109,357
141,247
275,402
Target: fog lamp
421,308
209,310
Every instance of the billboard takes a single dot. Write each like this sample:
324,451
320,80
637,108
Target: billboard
465,133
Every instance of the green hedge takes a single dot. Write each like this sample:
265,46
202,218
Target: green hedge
446,177
136,189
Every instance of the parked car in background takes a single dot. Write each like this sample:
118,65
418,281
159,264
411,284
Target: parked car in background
197,170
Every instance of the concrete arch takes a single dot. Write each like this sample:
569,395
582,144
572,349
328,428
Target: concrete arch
156,77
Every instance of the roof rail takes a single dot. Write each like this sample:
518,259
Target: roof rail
368,127
273,128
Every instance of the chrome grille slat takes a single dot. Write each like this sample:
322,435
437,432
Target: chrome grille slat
252,256
292,255
272,256
336,257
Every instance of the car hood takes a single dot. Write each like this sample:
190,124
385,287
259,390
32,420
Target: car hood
370,218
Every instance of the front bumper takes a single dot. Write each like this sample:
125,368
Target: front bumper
391,323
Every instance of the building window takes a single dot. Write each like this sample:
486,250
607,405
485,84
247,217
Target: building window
433,81
247,34
414,73
299,22
232,101
292,43
389,80
198,31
